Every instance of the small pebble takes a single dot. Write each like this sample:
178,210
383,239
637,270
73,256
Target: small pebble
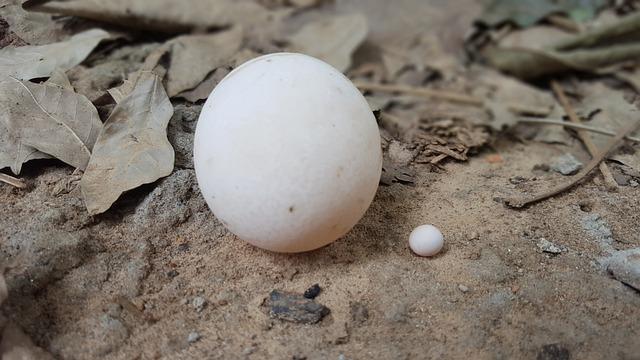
548,247
193,337
426,240
199,303
566,164
463,288
313,291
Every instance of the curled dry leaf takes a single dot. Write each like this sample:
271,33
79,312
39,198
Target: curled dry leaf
30,62
132,149
528,12
193,57
161,15
333,39
45,118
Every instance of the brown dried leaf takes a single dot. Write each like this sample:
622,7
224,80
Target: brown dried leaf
30,62
48,119
161,15
132,149
59,78
34,28
332,39
204,89
193,57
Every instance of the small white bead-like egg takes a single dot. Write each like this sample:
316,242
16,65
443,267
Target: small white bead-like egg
426,240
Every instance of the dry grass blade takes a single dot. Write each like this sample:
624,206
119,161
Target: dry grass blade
533,120
446,96
12,181
584,137
519,202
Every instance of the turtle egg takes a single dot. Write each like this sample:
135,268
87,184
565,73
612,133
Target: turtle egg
287,153
426,240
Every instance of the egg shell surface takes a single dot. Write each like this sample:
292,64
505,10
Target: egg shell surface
426,240
287,153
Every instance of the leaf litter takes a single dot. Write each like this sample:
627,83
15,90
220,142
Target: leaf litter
132,148
437,108
46,119
30,62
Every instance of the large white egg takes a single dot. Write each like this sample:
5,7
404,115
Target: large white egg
287,153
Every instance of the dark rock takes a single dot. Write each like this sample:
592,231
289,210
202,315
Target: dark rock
295,308
313,291
553,352
172,273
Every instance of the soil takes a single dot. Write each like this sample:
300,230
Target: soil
123,285
158,276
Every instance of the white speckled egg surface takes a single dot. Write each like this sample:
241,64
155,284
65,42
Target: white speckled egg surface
287,153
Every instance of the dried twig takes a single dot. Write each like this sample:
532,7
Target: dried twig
597,158
533,120
584,137
449,96
12,181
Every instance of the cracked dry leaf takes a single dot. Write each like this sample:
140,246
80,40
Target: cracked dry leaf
132,148
162,15
30,62
193,57
332,39
45,118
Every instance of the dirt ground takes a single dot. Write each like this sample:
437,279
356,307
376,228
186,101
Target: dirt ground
158,276
123,285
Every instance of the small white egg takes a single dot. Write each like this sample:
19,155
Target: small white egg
287,153
426,240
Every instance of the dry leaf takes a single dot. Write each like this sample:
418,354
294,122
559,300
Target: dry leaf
34,28
132,149
193,57
332,39
161,15
60,78
30,62
150,65
613,111
204,89
501,91
46,118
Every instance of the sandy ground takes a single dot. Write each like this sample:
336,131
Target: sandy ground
131,283
158,276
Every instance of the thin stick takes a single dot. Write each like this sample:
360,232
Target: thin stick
583,135
445,96
597,158
533,120
12,181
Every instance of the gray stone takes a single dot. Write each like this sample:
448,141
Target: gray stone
625,267
193,337
548,247
463,288
566,164
295,308
199,303
598,229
